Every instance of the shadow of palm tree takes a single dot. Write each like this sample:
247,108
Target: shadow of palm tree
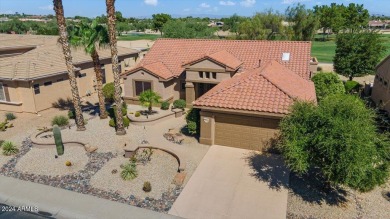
311,187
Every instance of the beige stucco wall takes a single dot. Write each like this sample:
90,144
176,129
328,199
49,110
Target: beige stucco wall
380,91
207,64
15,98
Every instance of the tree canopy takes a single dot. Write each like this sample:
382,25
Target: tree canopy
327,84
303,21
189,29
358,53
339,139
159,20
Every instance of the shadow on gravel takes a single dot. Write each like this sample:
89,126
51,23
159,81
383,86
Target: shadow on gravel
270,168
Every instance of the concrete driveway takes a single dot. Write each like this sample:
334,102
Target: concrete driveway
235,183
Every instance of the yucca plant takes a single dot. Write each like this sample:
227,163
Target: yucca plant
129,171
9,148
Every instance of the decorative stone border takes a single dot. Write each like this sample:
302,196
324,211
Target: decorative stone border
40,143
131,150
80,181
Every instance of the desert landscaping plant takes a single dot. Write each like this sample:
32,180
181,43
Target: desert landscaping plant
108,92
9,148
68,163
339,138
147,187
60,121
165,105
71,114
58,140
137,114
10,116
129,171
5,125
193,121
179,104
126,122
148,98
351,86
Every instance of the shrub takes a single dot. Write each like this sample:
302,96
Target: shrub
9,148
327,84
72,114
147,186
129,171
109,92
126,122
10,116
165,105
351,86
319,68
339,138
193,121
111,111
179,104
68,163
137,114
60,121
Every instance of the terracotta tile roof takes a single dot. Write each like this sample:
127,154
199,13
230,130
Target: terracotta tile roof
163,71
223,57
271,88
45,59
176,52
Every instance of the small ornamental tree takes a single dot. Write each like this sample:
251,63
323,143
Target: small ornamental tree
339,138
148,98
326,84
357,54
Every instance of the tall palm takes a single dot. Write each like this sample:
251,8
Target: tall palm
120,129
59,10
91,37
148,98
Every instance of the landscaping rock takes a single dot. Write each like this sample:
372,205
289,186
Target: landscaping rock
179,178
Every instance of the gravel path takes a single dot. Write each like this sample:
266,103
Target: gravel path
41,161
160,172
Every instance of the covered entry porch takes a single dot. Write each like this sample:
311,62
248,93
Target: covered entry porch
194,90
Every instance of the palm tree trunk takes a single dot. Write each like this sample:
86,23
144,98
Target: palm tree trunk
59,10
120,129
99,84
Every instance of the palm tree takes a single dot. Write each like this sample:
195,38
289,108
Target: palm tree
148,98
91,37
59,10
120,129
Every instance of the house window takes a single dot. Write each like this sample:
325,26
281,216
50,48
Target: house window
214,75
141,86
201,74
36,89
2,92
81,75
207,74
47,83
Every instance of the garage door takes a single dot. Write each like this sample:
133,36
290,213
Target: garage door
243,131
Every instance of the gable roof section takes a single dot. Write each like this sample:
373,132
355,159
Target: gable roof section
222,57
271,88
46,59
157,69
176,52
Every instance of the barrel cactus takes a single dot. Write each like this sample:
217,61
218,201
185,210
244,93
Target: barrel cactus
58,140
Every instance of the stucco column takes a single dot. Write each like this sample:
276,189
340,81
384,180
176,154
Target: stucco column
207,128
190,93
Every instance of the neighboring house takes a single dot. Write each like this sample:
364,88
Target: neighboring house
377,24
33,73
243,88
381,89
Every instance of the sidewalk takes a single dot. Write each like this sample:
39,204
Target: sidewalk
62,203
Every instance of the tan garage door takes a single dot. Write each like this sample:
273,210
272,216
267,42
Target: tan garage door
244,131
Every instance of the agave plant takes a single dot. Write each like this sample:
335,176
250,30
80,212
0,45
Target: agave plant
9,148
129,171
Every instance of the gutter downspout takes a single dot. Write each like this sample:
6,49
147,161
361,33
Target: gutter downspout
32,92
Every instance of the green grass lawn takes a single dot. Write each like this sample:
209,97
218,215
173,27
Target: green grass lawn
139,37
325,51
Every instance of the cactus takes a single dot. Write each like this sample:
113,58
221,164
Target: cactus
58,140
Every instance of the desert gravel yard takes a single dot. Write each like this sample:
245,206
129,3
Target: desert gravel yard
307,200
160,172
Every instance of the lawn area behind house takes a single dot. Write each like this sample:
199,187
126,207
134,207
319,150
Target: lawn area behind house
132,37
325,51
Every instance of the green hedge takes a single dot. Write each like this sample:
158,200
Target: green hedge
193,121
179,104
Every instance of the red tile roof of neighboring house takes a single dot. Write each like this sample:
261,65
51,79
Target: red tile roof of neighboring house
156,68
173,53
271,88
223,57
